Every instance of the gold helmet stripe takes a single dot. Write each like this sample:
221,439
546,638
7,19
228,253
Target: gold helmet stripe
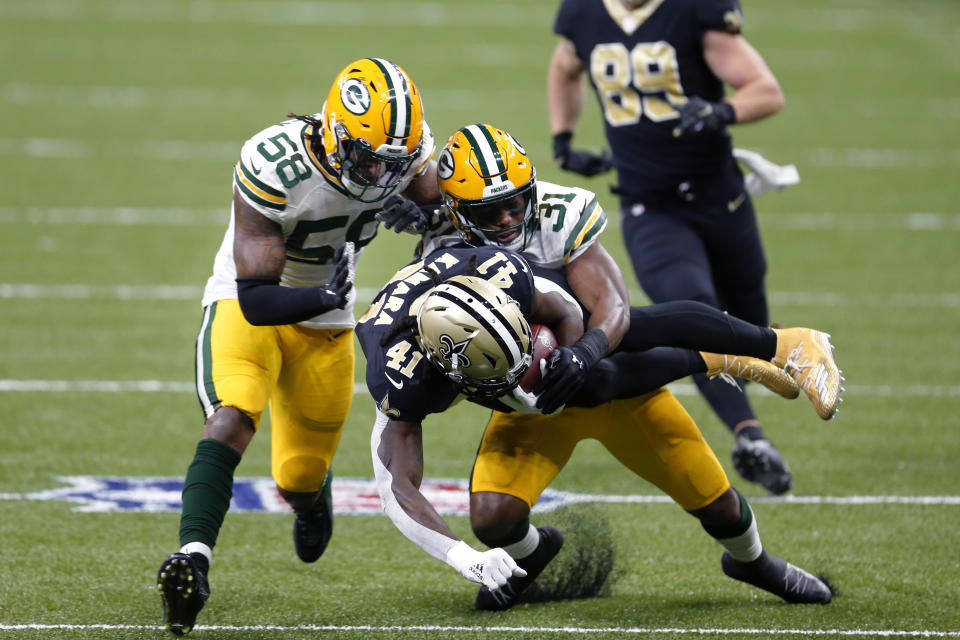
492,320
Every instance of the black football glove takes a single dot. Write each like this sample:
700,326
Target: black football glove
333,295
582,162
402,215
699,116
567,369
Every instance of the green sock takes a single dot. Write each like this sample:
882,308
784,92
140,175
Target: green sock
207,490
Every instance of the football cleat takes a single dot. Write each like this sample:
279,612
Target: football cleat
766,373
551,540
182,583
312,529
810,362
779,577
759,461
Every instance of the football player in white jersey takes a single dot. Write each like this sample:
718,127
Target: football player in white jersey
277,330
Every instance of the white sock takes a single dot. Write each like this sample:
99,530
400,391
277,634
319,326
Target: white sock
198,547
526,546
745,547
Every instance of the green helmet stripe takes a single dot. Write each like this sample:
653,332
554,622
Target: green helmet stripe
492,166
399,95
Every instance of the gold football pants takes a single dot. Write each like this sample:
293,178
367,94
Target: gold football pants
652,435
305,375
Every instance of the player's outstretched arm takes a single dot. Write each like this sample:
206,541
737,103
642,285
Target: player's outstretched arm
397,450
259,253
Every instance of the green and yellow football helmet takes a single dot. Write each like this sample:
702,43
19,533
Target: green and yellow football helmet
476,335
487,182
372,127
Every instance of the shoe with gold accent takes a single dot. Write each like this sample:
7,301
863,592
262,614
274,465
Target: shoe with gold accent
766,373
807,355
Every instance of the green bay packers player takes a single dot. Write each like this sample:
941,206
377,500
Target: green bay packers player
456,323
308,194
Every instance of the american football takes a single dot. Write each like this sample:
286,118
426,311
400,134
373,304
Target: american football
543,343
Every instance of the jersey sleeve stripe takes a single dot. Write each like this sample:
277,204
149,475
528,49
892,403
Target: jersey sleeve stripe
591,222
255,193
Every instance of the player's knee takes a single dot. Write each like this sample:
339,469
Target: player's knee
300,474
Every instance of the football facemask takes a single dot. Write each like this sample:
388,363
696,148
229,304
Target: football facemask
488,186
476,335
372,128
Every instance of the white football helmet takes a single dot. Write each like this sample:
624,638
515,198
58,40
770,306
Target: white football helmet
476,335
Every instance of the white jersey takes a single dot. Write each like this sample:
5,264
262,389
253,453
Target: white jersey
569,220
279,175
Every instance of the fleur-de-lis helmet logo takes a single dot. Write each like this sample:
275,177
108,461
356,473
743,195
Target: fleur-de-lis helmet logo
454,352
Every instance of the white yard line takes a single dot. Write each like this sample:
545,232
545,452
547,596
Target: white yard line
175,386
919,221
445,629
867,299
72,148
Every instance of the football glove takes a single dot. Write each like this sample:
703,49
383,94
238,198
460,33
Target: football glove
699,116
567,369
582,162
403,215
489,568
333,295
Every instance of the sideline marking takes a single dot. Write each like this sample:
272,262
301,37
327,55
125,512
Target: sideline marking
886,633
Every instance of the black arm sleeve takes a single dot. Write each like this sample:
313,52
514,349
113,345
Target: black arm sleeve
264,302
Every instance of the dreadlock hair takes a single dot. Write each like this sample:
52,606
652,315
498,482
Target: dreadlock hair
408,323
316,140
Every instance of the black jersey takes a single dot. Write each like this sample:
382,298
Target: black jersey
642,64
399,377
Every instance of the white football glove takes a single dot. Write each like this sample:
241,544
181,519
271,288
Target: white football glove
489,568
765,175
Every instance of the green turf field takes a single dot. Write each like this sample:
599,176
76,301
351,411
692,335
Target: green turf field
120,125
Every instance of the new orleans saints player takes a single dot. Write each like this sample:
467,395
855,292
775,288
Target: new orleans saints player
456,323
278,309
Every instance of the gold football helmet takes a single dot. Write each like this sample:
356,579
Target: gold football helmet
488,185
372,127
476,335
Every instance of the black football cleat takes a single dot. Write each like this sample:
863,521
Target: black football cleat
759,461
182,583
551,540
312,529
779,577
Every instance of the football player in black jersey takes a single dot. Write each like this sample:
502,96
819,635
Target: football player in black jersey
659,70
457,323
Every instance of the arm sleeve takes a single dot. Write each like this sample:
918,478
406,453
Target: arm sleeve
434,543
264,302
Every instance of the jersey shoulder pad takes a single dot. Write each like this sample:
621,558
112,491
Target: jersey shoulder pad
571,218
719,15
266,159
